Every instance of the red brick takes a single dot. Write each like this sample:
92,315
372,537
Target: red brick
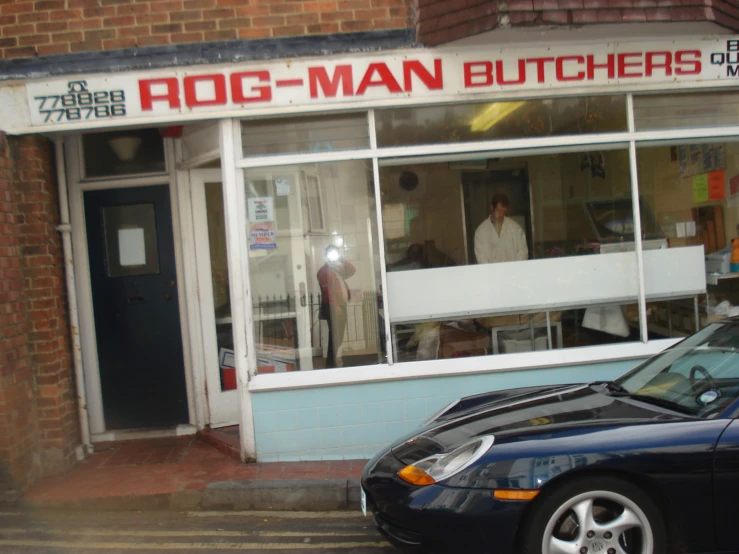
65,15
323,28
211,36
200,26
132,9
269,21
100,11
153,41
335,17
19,30
86,24
168,28
33,17
152,18
20,7
53,27
139,31
118,43
20,52
198,4
120,21
186,16
235,23
185,38
252,34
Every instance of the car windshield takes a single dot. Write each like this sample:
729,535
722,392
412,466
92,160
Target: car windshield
699,376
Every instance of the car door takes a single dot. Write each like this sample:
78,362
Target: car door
726,489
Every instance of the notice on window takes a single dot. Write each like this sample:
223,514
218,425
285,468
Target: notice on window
262,237
701,158
716,190
282,186
734,186
261,208
131,247
700,188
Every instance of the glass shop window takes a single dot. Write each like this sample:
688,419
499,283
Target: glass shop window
301,135
315,268
120,153
501,120
501,255
686,111
692,188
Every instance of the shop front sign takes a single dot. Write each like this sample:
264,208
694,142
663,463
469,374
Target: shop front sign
400,78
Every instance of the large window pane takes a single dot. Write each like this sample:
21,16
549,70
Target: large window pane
686,111
497,232
500,120
516,333
565,204
297,135
315,271
688,186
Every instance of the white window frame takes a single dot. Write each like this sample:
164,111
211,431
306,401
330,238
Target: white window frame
375,155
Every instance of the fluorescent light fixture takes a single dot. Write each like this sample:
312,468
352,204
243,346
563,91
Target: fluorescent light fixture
493,114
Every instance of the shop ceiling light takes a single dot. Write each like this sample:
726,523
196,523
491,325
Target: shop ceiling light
493,114
125,148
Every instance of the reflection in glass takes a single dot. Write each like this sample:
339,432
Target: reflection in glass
294,135
686,111
500,120
219,279
123,153
314,266
688,188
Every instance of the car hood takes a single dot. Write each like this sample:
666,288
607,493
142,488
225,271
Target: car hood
529,410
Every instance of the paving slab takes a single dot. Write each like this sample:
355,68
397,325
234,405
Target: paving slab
184,473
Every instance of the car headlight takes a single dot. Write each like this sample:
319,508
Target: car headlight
436,415
442,466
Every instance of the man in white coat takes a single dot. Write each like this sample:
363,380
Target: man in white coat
499,238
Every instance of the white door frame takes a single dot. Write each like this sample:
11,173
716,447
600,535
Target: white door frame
223,406
88,340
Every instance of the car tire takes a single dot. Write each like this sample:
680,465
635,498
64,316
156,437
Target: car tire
618,516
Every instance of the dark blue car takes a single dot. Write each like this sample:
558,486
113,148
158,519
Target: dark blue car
648,463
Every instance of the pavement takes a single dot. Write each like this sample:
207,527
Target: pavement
195,472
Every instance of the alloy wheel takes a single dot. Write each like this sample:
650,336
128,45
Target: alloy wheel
598,522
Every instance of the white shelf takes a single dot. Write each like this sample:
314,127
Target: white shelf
714,278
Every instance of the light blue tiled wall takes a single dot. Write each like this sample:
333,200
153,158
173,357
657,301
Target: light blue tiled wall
355,421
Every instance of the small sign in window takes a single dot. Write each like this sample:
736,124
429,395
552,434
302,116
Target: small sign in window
132,246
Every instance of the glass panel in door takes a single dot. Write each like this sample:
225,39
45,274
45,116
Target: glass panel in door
212,263
314,264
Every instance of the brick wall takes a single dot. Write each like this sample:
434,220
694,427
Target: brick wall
46,310
441,21
38,418
31,28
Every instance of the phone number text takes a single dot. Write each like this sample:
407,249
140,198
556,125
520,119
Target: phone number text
81,105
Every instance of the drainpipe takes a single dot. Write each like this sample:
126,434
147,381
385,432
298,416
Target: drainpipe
74,321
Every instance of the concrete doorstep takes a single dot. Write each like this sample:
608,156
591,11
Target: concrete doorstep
311,495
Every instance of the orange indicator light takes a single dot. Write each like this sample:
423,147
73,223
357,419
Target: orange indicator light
504,494
416,476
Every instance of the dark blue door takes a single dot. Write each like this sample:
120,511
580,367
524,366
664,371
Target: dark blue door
137,319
